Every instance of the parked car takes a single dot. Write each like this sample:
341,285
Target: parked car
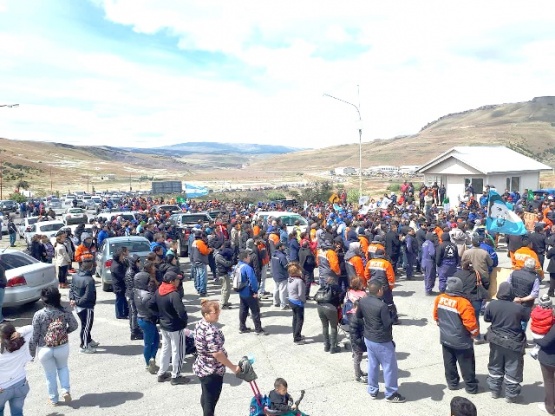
287,218
47,228
107,216
548,191
135,244
166,208
25,226
75,216
26,277
55,203
4,221
184,223
8,205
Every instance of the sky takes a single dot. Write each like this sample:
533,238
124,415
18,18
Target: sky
149,73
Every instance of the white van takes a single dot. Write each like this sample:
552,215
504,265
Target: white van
287,218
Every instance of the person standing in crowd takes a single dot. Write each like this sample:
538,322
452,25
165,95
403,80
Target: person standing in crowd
381,270
133,268
354,294
118,269
144,290
224,264
546,357
447,260
328,262
51,326
507,341
479,258
459,237
82,296
3,284
525,284
411,245
307,261
539,243
12,231
63,260
199,262
248,296
211,360
455,317
279,273
428,261
167,304
296,290
393,245
525,252
551,270
329,299
14,356
373,326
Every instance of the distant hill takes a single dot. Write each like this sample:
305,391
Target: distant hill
526,127
216,148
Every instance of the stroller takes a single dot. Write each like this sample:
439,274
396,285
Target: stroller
260,404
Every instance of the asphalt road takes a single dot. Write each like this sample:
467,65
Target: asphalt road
114,381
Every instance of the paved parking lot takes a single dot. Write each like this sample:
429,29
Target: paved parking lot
114,382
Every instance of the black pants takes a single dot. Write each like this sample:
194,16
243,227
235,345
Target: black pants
548,374
86,316
62,274
551,291
211,388
298,320
244,306
505,365
467,363
133,321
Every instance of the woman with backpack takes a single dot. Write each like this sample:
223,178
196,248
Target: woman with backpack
51,326
354,294
14,355
329,298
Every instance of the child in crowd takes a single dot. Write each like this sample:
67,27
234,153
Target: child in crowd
279,398
541,320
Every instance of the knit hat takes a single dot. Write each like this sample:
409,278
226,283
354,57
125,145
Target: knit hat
454,285
170,277
545,302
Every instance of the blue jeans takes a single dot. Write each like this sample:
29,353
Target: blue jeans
381,353
2,292
200,277
12,239
122,309
151,339
477,305
54,361
15,395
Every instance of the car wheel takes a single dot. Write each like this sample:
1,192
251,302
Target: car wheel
106,287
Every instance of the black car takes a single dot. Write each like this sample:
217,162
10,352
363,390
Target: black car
8,206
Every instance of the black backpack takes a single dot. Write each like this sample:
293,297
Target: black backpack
324,295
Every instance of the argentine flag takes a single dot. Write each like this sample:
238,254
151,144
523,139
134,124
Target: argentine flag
501,219
195,191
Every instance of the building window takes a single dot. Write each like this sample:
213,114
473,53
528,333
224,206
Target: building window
513,184
477,184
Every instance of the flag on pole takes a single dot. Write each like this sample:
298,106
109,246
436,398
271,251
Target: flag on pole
501,219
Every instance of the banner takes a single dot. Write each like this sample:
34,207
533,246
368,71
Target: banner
363,200
501,219
334,198
195,191
385,203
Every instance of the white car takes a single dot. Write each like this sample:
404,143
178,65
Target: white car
287,218
26,277
75,216
25,226
47,228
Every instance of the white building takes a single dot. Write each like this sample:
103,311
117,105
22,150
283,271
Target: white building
384,169
345,171
497,166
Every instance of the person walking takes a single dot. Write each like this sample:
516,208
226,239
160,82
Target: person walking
248,295
455,317
296,290
144,290
279,273
211,360
14,356
51,326
167,304
82,297
507,341
373,326
118,269
199,262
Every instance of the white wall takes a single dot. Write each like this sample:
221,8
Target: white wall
528,180
454,185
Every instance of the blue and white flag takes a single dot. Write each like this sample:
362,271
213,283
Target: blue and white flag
195,191
501,219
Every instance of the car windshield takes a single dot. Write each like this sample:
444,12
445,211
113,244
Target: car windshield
14,260
193,218
132,246
51,227
54,200
32,221
290,220
76,211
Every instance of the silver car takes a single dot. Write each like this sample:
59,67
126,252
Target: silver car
26,277
135,244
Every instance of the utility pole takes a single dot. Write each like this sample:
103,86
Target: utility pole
50,180
1,178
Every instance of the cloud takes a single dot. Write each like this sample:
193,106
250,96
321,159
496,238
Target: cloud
135,72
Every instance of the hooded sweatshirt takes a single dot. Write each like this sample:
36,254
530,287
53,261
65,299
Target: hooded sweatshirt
167,304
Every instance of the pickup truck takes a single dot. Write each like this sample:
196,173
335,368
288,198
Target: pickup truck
185,222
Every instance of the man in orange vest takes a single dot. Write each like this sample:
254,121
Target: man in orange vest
328,263
375,245
525,252
353,263
380,269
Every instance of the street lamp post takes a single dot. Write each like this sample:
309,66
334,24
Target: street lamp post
357,107
1,161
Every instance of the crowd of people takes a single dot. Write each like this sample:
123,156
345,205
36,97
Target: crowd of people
358,257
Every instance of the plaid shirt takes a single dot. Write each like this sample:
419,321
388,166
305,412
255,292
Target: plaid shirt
208,340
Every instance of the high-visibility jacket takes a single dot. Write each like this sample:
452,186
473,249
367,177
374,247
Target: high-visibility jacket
328,264
381,270
520,257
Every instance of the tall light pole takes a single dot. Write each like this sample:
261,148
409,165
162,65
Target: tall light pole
1,161
357,107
